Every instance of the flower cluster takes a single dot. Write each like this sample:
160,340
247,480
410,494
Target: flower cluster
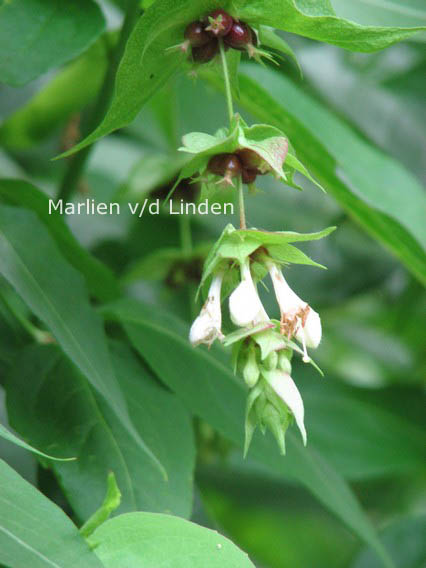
202,36
263,347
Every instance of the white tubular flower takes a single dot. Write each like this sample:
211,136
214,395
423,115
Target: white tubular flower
244,303
207,326
286,389
297,317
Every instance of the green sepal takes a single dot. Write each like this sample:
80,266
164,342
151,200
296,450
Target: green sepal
270,341
244,332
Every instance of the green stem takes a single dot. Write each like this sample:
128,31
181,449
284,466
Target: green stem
227,81
243,224
76,163
185,234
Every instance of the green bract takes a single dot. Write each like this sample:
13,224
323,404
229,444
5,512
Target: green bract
268,142
234,246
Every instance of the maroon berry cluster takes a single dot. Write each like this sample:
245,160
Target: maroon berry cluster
203,36
244,162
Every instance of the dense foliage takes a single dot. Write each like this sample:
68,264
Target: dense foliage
123,441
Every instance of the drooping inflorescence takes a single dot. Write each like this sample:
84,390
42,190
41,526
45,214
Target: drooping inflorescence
235,156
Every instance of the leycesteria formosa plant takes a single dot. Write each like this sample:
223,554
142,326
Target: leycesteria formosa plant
233,158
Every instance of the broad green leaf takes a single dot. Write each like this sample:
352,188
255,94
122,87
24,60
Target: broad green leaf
405,539
383,12
38,36
317,20
34,531
99,278
375,442
56,293
51,404
148,540
369,188
147,65
8,435
68,92
206,384
390,118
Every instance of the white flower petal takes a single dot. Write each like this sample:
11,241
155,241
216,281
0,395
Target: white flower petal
312,330
207,326
287,390
245,306
291,306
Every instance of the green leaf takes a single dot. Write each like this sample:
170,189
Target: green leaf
111,502
204,382
55,292
68,92
369,188
384,13
406,541
35,532
99,278
8,435
143,540
375,441
146,64
38,36
317,20
52,405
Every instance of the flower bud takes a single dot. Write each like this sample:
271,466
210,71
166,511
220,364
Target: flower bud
285,388
284,363
271,361
251,370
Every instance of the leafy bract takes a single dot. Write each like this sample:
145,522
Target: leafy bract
29,29
34,531
56,293
236,245
267,142
143,540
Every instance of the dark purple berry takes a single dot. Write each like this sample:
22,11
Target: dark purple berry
227,165
249,176
196,35
219,23
239,36
206,52
249,159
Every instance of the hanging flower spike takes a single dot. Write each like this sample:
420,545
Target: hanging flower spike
244,303
286,389
297,317
207,326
